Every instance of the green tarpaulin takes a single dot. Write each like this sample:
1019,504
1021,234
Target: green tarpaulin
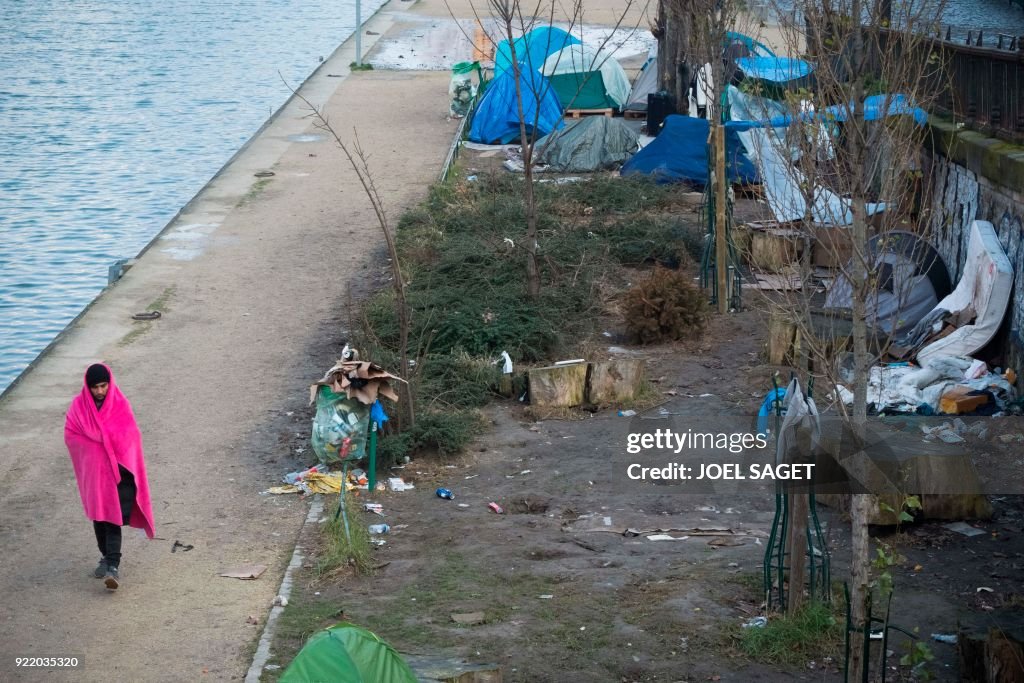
345,653
582,91
601,76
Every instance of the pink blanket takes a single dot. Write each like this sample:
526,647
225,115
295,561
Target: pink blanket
99,440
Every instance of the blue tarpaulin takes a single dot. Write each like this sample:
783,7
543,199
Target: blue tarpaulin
532,49
680,154
496,120
873,109
774,69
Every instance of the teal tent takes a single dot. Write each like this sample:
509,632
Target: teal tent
532,49
345,653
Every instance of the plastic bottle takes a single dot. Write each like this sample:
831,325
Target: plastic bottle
379,528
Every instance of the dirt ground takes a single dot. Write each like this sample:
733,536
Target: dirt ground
563,603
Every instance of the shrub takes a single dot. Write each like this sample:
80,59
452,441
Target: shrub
665,306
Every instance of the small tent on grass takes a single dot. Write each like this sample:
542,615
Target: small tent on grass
911,280
646,83
585,78
532,49
680,154
496,120
587,144
345,653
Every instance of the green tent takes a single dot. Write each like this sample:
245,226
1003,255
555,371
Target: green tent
345,653
584,78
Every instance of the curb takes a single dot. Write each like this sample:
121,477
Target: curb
259,660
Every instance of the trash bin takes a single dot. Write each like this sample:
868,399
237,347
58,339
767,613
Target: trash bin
462,89
659,106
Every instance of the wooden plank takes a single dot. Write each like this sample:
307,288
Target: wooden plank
632,115
614,381
558,386
577,113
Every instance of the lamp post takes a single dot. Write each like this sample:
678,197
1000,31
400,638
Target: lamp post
359,33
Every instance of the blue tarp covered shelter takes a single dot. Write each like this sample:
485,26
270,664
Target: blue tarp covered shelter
532,48
774,69
680,154
496,120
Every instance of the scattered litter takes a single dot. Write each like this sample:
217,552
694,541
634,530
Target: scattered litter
984,589
379,529
525,471
468,619
666,537
272,667
378,541
627,413
963,528
705,395
184,547
472,476
545,597
494,507
375,508
756,622
463,505
281,601
570,362
245,572
397,484
445,493
949,638
607,521
733,565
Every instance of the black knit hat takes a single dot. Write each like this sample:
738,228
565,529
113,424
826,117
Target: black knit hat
96,374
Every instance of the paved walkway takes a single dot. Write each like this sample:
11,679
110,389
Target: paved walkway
252,279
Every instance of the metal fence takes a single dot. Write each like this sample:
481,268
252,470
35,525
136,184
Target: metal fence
981,84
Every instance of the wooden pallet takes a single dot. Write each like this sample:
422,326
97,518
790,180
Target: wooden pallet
631,115
579,113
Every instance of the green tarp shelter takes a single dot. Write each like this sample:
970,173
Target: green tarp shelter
584,78
346,653
588,144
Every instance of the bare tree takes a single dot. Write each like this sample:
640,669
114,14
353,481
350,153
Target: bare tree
359,161
848,164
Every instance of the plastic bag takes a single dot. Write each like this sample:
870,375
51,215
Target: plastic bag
462,89
339,418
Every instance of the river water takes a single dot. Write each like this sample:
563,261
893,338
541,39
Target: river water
990,16
113,114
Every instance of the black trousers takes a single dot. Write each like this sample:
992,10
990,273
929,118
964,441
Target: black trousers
108,535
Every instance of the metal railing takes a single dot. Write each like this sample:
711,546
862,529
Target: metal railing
979,85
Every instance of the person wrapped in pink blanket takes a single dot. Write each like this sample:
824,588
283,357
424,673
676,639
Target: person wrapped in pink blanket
105,446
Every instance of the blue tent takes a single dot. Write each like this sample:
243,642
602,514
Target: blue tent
496,120
680,154
774,69
532,49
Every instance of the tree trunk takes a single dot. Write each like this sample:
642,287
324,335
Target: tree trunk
674,36
860,506
529,199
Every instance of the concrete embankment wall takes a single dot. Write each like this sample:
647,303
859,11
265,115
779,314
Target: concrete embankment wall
974,177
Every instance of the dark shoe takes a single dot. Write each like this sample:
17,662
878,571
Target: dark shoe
110,580
101,570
